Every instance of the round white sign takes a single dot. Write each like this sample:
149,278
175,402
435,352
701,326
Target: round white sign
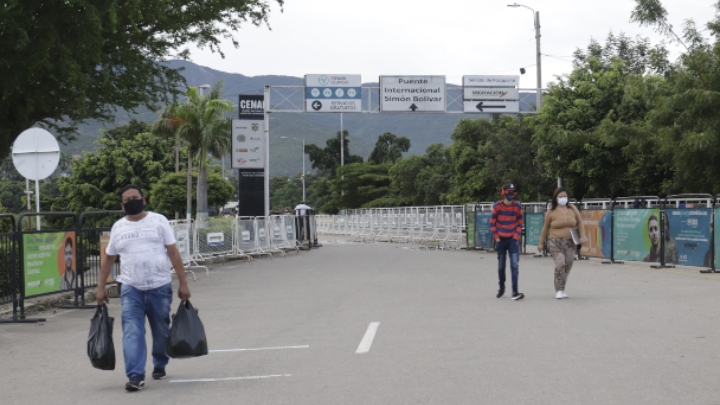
35,154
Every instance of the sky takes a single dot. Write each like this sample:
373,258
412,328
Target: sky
451,38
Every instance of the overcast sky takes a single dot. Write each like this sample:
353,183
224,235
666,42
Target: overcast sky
448,37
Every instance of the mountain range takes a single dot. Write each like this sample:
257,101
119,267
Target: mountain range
423,129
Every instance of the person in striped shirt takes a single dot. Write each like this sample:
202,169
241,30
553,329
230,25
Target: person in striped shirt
506,224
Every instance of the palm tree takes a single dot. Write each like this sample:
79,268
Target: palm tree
200,122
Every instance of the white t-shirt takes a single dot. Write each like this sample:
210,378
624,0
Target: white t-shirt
144,262
302,208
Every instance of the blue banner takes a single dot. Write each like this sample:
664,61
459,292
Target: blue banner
687,237
483,238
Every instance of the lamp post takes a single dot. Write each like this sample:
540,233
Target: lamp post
303,162
536,15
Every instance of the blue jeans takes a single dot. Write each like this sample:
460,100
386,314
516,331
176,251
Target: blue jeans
136,305
504,247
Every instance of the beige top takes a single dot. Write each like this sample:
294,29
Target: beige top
559,222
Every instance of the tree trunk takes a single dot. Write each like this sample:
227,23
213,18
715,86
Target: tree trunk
188,214
201,217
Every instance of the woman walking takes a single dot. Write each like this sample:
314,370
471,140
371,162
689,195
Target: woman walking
559,221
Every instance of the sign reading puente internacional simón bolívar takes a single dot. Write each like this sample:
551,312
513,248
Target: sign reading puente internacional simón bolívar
412,94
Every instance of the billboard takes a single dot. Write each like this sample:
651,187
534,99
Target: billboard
598,225
636,235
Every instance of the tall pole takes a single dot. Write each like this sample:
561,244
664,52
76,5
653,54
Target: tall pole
266,108
342,142
538,62
303,176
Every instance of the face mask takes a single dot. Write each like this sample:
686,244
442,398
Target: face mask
562,200
134,207
510,196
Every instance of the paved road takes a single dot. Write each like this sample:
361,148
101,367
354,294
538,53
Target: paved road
628,334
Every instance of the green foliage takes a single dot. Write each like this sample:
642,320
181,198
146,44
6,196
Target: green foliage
357,185
96,180
389,148
62,62
168,193
487,153
327,160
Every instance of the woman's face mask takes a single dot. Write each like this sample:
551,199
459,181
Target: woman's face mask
562,200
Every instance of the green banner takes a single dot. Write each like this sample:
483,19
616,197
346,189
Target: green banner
49,262
632,234
533,228
470,220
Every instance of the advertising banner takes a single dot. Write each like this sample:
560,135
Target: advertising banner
717,236
533,228
598,228
636,235
49,262
687,240
248,143
483,238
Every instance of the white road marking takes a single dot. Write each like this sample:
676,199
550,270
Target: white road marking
367,340
254,377
258,348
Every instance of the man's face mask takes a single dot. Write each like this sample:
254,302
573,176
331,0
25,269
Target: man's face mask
134,207
510,195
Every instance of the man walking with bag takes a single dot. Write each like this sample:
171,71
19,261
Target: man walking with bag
506,227
144,241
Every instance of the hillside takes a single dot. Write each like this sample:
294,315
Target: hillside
285,155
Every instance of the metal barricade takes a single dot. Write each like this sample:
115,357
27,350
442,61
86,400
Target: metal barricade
246,234
8,260
215,240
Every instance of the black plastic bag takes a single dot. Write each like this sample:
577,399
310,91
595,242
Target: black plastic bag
100,346
187,334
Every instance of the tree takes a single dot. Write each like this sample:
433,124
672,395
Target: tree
389,148
326,160
685,117
168,193
63,62
96,179
200,122
358,185
590,129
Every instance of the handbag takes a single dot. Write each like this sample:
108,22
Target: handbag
100,346
187,333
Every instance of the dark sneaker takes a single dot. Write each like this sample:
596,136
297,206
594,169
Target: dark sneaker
518,296
135,384
158,373
500,293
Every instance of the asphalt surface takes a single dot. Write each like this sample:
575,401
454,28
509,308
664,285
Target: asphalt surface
286,331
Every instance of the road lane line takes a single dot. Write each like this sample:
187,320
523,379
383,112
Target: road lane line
259,348
254,377
367,340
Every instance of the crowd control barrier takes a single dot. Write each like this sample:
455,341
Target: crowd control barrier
8,260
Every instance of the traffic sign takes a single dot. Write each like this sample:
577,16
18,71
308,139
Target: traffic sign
491,81
490,93
412,94
490,107
333,93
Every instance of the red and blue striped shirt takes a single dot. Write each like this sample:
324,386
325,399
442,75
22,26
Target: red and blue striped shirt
506,220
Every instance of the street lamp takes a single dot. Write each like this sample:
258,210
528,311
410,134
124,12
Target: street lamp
303,161
536,15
